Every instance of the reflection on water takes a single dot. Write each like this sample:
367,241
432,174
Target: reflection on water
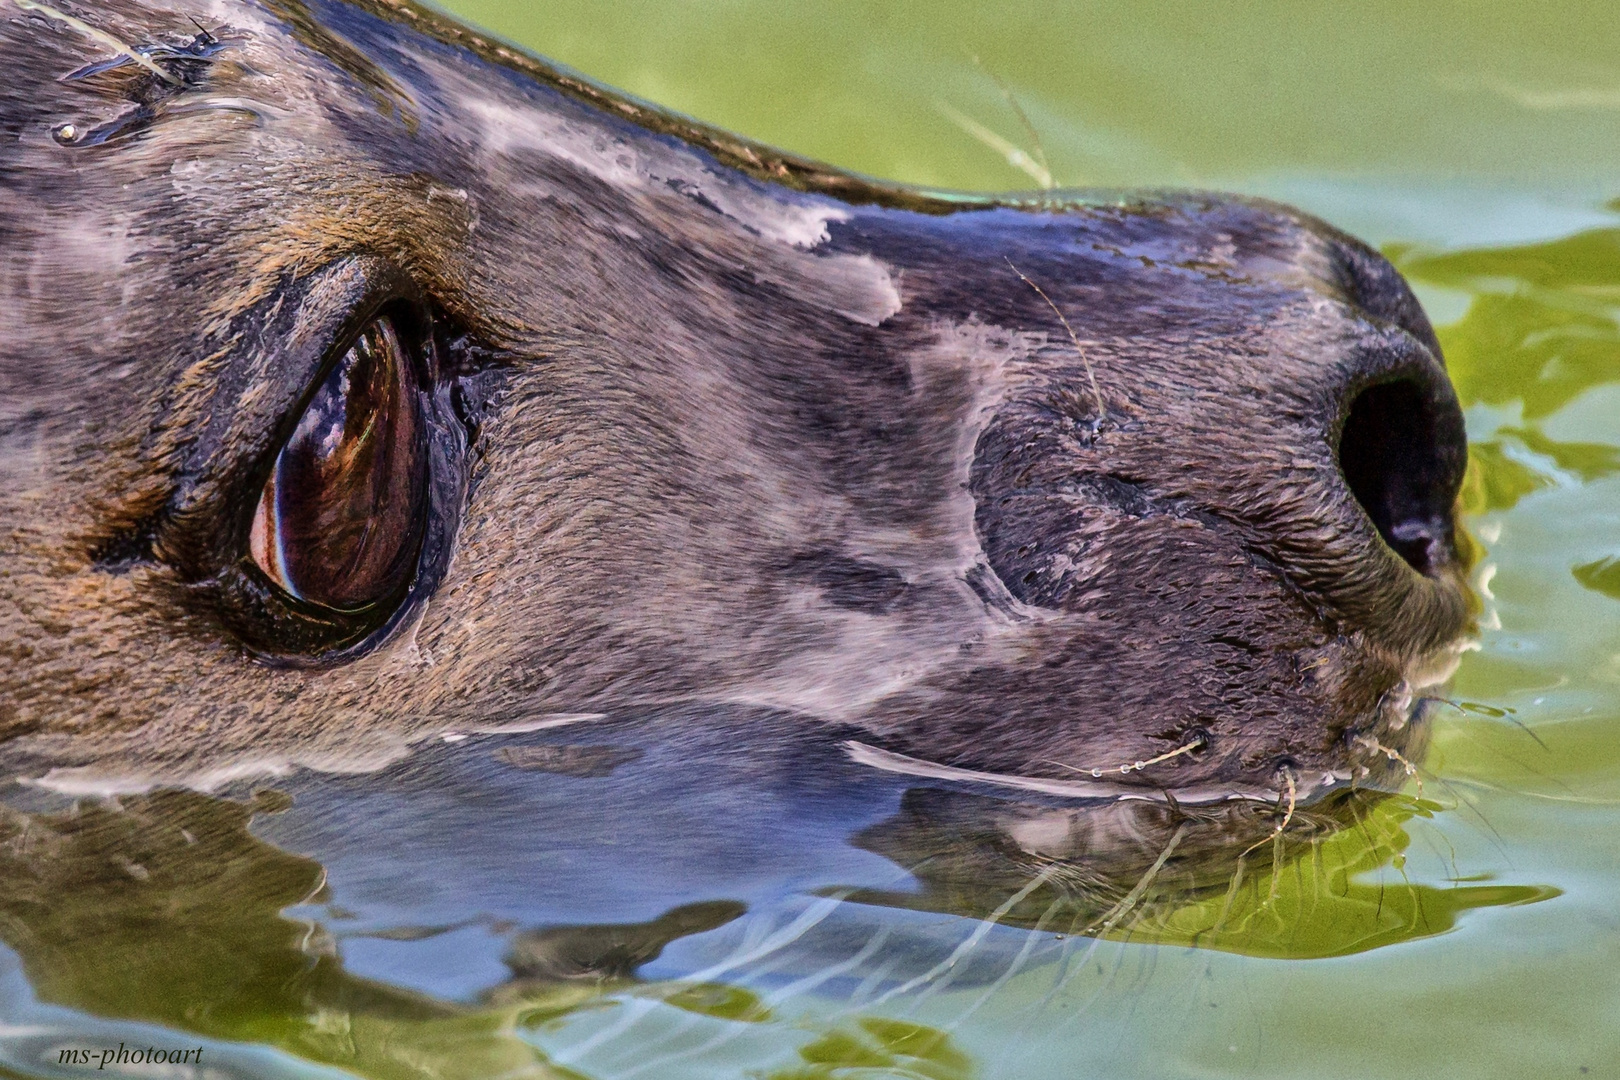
1327,885
165,909
478,910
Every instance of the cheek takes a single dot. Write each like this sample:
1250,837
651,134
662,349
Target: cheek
98,653
488,640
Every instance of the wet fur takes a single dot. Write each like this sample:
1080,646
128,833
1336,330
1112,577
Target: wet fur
742,429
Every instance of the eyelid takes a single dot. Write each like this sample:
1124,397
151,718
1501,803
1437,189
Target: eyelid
256,392
234,403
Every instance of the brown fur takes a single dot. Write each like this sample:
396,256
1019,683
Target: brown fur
742,428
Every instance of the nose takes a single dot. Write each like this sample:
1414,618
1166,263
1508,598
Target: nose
1401,442
1338,461
1401,452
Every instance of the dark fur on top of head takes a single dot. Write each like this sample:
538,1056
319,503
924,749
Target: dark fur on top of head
712,423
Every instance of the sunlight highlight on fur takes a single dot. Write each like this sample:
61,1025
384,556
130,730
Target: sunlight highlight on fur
101,37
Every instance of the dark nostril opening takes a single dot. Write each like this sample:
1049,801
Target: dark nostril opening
1402,454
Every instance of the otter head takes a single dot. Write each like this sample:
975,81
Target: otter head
362,379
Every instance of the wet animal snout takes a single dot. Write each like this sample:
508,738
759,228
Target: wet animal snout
1334,467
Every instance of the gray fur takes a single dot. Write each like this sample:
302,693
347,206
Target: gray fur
743,429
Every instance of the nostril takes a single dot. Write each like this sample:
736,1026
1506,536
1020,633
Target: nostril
1402,453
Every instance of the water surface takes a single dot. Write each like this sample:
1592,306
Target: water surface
801,919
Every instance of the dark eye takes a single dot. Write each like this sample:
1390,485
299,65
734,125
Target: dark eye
340,520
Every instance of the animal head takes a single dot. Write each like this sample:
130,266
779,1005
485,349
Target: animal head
361,378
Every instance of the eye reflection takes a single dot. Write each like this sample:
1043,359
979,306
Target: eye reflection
340,519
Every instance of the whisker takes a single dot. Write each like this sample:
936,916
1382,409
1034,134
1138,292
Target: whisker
1496,838
786,993
972,941
1485,785
1015,156
1091,376
1135,766
1514,720
1098,932
1433,837
859,997
1013,968
637,1008
1292,794
101,37
1394,755
1029,128
1505,756
1226,906
1372,845
1107,924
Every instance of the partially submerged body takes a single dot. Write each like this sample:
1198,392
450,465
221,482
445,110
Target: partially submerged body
363,383
1033,491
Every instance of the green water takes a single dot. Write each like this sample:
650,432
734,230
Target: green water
1469,928
1477,142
